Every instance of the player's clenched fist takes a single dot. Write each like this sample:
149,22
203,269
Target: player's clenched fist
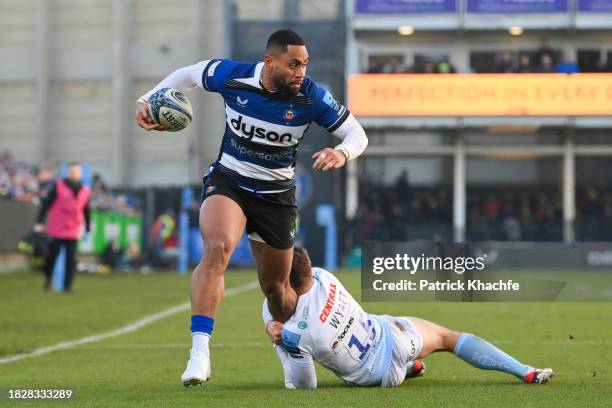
145,120
274,329
328,159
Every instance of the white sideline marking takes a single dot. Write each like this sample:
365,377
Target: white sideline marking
566,342
132,327
213,345
10,271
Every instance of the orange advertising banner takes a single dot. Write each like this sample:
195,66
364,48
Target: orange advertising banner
480,94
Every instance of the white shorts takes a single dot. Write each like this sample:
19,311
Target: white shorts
407,345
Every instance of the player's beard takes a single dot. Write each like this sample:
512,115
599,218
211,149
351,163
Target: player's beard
283,87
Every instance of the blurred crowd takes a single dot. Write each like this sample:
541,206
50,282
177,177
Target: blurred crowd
543,59
20,181
28,183
395,64
400,212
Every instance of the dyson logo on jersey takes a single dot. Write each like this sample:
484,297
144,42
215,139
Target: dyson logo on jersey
250,131
331,299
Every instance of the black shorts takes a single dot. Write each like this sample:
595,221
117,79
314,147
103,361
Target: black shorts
270,216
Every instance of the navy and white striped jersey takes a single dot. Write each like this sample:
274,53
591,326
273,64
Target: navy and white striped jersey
263,129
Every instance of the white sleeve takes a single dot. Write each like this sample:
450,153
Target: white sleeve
354,139
299,373
182,79
267,316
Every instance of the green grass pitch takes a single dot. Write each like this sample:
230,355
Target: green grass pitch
143,368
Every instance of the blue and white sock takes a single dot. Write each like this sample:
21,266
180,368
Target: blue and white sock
201,330
482,354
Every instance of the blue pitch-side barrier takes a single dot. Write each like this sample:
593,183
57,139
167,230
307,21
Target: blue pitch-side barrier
184,235
325,215
59,269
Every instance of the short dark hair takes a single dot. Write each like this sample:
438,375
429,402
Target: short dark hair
300,268
279,40
73,163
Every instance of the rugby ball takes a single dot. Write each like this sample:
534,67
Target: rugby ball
171,109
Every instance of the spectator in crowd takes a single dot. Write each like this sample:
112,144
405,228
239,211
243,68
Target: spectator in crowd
567,65
546,64
163,238
163,228
402,186
504,63
545,50
98,183
68,206
524,66
112,256
45,178
510,224
491,207
592,206
428,67
116,258
445,67
393,66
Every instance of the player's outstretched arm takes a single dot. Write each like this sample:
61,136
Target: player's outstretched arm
182,79
354,142
299,373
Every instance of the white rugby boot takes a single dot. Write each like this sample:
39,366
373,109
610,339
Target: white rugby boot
198,369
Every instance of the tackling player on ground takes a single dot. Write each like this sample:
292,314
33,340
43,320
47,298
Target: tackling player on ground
268,107
330,327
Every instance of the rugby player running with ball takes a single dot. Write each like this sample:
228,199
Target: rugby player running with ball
269,105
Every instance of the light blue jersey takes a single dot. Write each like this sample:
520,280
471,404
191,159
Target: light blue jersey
331,328
263,129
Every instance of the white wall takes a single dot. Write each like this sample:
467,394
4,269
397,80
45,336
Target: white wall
19,130
83,41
